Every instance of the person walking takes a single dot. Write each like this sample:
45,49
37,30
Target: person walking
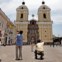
32,44
19,43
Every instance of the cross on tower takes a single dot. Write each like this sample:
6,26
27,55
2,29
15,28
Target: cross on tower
43,2
23,2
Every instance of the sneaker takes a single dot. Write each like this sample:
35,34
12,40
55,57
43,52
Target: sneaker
35,58
16,59
41,58
21,59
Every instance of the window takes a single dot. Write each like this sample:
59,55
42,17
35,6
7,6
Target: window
0,39
0,34
44,15
45,36
21,16
0,24
45,31
21,7
43,7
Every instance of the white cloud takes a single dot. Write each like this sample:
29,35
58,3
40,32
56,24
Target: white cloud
4,1
57,19
9,7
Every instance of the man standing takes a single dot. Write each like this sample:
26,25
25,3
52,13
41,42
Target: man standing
19,43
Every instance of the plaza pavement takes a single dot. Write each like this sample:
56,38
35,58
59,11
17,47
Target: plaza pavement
52,54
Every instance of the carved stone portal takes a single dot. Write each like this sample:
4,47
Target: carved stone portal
33,31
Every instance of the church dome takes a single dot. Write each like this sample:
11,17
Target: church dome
23,6
44,7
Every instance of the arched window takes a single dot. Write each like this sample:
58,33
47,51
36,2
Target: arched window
21,7
43,7
21,16
0,34
44,15
45,31
45,35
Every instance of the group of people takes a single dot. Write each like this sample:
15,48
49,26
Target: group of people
19,43
7,41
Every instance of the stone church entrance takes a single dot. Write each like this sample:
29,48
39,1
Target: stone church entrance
32,32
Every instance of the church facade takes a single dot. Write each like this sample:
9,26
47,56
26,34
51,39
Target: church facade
36,29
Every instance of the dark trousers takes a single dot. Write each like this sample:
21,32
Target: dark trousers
39,53
18,52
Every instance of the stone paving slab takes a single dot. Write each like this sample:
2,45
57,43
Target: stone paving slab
7,54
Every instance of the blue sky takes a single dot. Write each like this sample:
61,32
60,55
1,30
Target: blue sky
9,7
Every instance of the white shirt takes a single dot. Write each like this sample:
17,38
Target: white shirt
39,46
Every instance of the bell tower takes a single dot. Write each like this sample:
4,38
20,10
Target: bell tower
22,13
45,23
44,13
22,19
